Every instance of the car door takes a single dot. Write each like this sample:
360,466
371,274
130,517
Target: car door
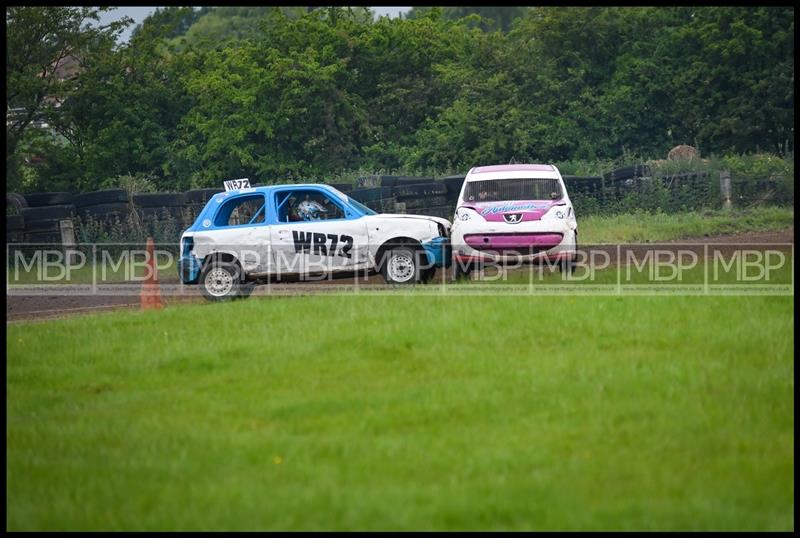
240,226
316,233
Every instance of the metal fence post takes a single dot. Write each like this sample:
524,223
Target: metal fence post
725,188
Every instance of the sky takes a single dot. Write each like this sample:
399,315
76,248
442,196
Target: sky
139,13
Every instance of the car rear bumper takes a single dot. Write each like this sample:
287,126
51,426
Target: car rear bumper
189,269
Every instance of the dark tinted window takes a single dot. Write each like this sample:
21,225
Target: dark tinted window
496,190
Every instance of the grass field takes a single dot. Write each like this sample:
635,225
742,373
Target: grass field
407,412
634,227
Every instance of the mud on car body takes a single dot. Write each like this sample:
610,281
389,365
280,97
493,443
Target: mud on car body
246,236
520,213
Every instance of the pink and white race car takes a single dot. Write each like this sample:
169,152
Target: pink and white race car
515,212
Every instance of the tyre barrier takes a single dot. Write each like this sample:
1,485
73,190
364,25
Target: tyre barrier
108,196
583,184
421,189
627,172
430,201
400,181
453,184
106,212
383,205
371,194
161,213
53,212
15,223
48,225
42,199
159,199
43,237
443,211
200,196
344,187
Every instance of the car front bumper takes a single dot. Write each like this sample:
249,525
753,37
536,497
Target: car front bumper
439,251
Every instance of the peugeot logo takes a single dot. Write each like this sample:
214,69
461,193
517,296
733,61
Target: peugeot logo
512,218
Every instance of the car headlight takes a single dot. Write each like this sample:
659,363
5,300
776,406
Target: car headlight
462,213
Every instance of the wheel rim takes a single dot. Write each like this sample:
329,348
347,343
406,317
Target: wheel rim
401,267
219,282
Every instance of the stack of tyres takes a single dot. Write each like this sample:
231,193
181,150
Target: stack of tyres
42,224
343,187
107,206
195,200
453,185
15,228
159,206
376,198
420,197
15,222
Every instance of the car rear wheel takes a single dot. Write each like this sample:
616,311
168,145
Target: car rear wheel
461,271
221,281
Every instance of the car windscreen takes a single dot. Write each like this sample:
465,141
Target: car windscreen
497,190
364,209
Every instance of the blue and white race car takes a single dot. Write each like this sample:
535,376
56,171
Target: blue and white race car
249,235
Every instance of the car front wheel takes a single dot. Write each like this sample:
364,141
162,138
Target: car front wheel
401,265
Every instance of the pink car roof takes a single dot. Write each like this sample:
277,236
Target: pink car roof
514,168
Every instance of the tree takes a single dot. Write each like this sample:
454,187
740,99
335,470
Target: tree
490,17
38,41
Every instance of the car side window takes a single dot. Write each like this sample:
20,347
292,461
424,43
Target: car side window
307,205
241,210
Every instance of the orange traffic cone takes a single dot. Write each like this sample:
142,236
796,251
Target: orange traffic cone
151,293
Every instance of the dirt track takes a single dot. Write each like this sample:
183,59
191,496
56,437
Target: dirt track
66,300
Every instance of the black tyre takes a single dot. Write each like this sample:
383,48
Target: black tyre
158,199
427,274
16,201
48,213
461,271
42,199
15,223
568,266
46,238
222,281
109,196
401,264
246,289
50,225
